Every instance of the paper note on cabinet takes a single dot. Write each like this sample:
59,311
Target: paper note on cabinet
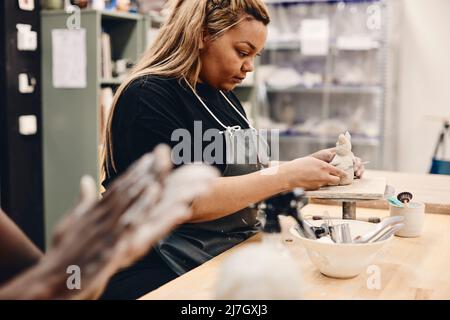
69,58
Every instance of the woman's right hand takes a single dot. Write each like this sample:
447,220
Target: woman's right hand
309,173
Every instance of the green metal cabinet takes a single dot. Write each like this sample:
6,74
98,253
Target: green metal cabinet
71,116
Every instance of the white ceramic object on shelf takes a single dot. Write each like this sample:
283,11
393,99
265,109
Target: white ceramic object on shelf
414,218
342,260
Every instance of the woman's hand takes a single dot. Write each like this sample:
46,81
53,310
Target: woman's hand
180,189
358,167
328,154
309,173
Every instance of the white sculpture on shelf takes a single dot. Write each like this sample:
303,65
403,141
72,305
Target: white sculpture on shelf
344,158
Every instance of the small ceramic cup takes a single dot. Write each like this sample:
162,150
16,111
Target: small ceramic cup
414,218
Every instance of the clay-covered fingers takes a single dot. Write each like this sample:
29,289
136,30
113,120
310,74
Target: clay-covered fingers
149,184
138,211
134,173
163,164
189,181
101,218
86,200
88,190
173,208
145,235
125,192
128,202
150,169
94,248
358,167
152,217
158,164
181,188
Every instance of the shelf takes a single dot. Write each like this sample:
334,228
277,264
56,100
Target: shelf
356,140
117,15
283,45
332,89
106,15
46,12
295,45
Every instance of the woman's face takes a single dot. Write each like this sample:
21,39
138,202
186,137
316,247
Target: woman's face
227,59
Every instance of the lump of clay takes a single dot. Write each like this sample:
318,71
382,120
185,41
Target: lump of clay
344,158
259,272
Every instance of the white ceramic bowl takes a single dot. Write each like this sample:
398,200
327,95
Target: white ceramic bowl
342,260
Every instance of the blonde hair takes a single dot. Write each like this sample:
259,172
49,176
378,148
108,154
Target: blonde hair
176,52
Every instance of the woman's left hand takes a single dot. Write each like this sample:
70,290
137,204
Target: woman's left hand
358,167
327,155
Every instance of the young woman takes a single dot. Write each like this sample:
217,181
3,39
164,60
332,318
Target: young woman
205,48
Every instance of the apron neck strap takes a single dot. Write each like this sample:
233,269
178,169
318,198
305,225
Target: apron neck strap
230,129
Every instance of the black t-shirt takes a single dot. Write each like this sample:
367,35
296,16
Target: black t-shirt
151,108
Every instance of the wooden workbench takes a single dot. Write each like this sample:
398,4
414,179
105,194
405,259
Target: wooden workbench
411,268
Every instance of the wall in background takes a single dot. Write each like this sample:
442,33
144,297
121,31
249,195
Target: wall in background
424,80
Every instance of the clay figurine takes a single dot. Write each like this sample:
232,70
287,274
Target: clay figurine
344,158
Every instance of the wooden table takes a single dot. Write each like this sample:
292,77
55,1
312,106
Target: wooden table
411,268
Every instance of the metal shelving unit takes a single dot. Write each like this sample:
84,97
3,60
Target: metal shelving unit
331,89
339,95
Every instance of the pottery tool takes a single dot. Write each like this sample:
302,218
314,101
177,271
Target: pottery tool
388,232
379,230
340,233
368,219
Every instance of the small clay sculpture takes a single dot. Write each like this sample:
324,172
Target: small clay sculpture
344,158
